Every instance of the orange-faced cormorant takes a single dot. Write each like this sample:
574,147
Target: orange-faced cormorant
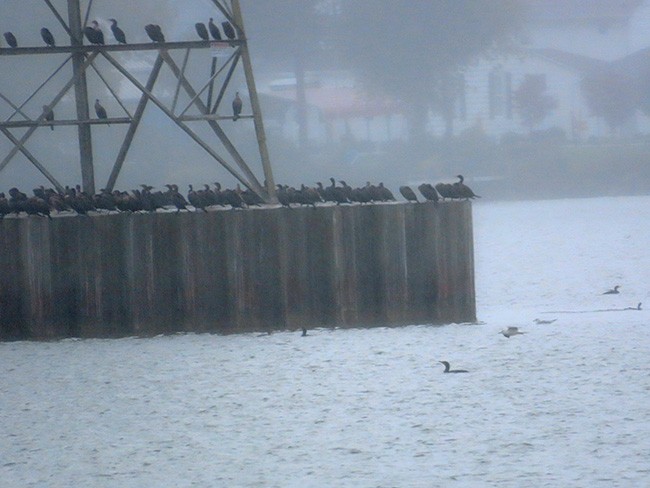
94,34
229,30
236,106
408,193
510,331
11,39
613,291
49,115
447,370
100,110
47,37
214,30
154,32
202,31
117,32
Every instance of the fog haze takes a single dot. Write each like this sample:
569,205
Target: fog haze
527,98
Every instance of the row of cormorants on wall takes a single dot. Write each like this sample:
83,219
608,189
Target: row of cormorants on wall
44,201
95,35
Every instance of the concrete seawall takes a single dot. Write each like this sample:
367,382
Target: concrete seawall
232,271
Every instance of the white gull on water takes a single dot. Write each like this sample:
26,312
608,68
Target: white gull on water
566,404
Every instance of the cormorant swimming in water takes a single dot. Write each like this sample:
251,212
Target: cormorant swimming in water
236,106
540,321
447,370
154,32
100,110
11,39
613,291
202,31
214,30
117,32
510,331
94,34
638,307
49,115
408,193
47,37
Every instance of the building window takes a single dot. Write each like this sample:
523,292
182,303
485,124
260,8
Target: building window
500,93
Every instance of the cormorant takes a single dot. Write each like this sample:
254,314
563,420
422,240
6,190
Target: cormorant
11,39
428,192
154,32
304,332
510,331
445,190
540,321
638,307
447,370
229,30
94,34
47,37
462,190
408,193
214,30
202,31
613,291
117,32
49,115
236,106
100,110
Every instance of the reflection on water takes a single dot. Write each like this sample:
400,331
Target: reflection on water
563,405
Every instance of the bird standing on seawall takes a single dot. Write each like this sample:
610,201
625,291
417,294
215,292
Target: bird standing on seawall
510,331
613,291
447,370
408,193
462,190
236,106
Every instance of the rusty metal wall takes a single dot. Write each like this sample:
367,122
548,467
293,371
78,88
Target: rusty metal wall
236,271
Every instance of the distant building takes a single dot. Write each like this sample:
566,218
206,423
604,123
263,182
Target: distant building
565,40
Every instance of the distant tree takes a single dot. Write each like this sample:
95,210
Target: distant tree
612,95
411,49
288,35
532,102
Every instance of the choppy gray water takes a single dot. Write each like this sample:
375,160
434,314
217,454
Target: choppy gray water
566,404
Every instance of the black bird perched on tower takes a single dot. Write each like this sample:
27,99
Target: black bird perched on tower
11,39
100,110
202,31
447,370
154,32
236,106
117,32
214,30
47,37
408,193
49,115
229,30
94,34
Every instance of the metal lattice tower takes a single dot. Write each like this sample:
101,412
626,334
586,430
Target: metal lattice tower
83,58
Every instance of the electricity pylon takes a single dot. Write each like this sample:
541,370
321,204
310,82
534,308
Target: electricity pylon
82,58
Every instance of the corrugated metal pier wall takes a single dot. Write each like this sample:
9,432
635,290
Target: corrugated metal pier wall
232,271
